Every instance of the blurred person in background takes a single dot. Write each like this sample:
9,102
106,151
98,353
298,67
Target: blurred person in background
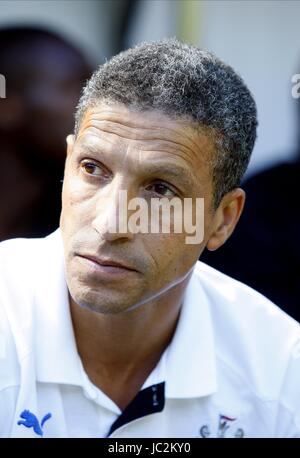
264,251
44,74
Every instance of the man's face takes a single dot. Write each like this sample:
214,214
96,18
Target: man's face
148,155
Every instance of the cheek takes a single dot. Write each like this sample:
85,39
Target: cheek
77,202
170,253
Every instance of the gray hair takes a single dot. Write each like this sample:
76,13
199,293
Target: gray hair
183,81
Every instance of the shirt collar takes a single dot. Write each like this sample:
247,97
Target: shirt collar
187,365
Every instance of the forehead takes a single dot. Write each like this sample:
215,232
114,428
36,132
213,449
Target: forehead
157,135
141,124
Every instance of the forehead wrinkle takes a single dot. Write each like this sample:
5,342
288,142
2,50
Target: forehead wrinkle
130,130
142,133
129,118
122,115
171,147
170,152
91,141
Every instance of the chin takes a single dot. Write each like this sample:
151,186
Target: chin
104,309
104,304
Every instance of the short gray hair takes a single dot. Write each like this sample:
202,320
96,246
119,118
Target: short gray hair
183,81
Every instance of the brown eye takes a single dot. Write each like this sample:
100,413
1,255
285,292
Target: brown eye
161,189
93,169
90,168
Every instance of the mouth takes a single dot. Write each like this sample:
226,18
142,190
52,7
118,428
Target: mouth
105,265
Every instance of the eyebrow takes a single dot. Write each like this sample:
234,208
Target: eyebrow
170,171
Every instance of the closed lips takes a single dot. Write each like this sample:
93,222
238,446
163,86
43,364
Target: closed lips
106,262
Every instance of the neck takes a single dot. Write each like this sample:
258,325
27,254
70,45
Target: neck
121,350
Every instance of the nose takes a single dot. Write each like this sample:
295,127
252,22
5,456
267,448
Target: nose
111,220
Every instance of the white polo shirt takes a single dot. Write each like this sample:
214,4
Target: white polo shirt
232,368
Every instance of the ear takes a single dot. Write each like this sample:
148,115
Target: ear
70,144
226,217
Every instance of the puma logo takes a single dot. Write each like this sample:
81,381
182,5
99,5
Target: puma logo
31,421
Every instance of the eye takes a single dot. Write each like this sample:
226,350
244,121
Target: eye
94,169
162,189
